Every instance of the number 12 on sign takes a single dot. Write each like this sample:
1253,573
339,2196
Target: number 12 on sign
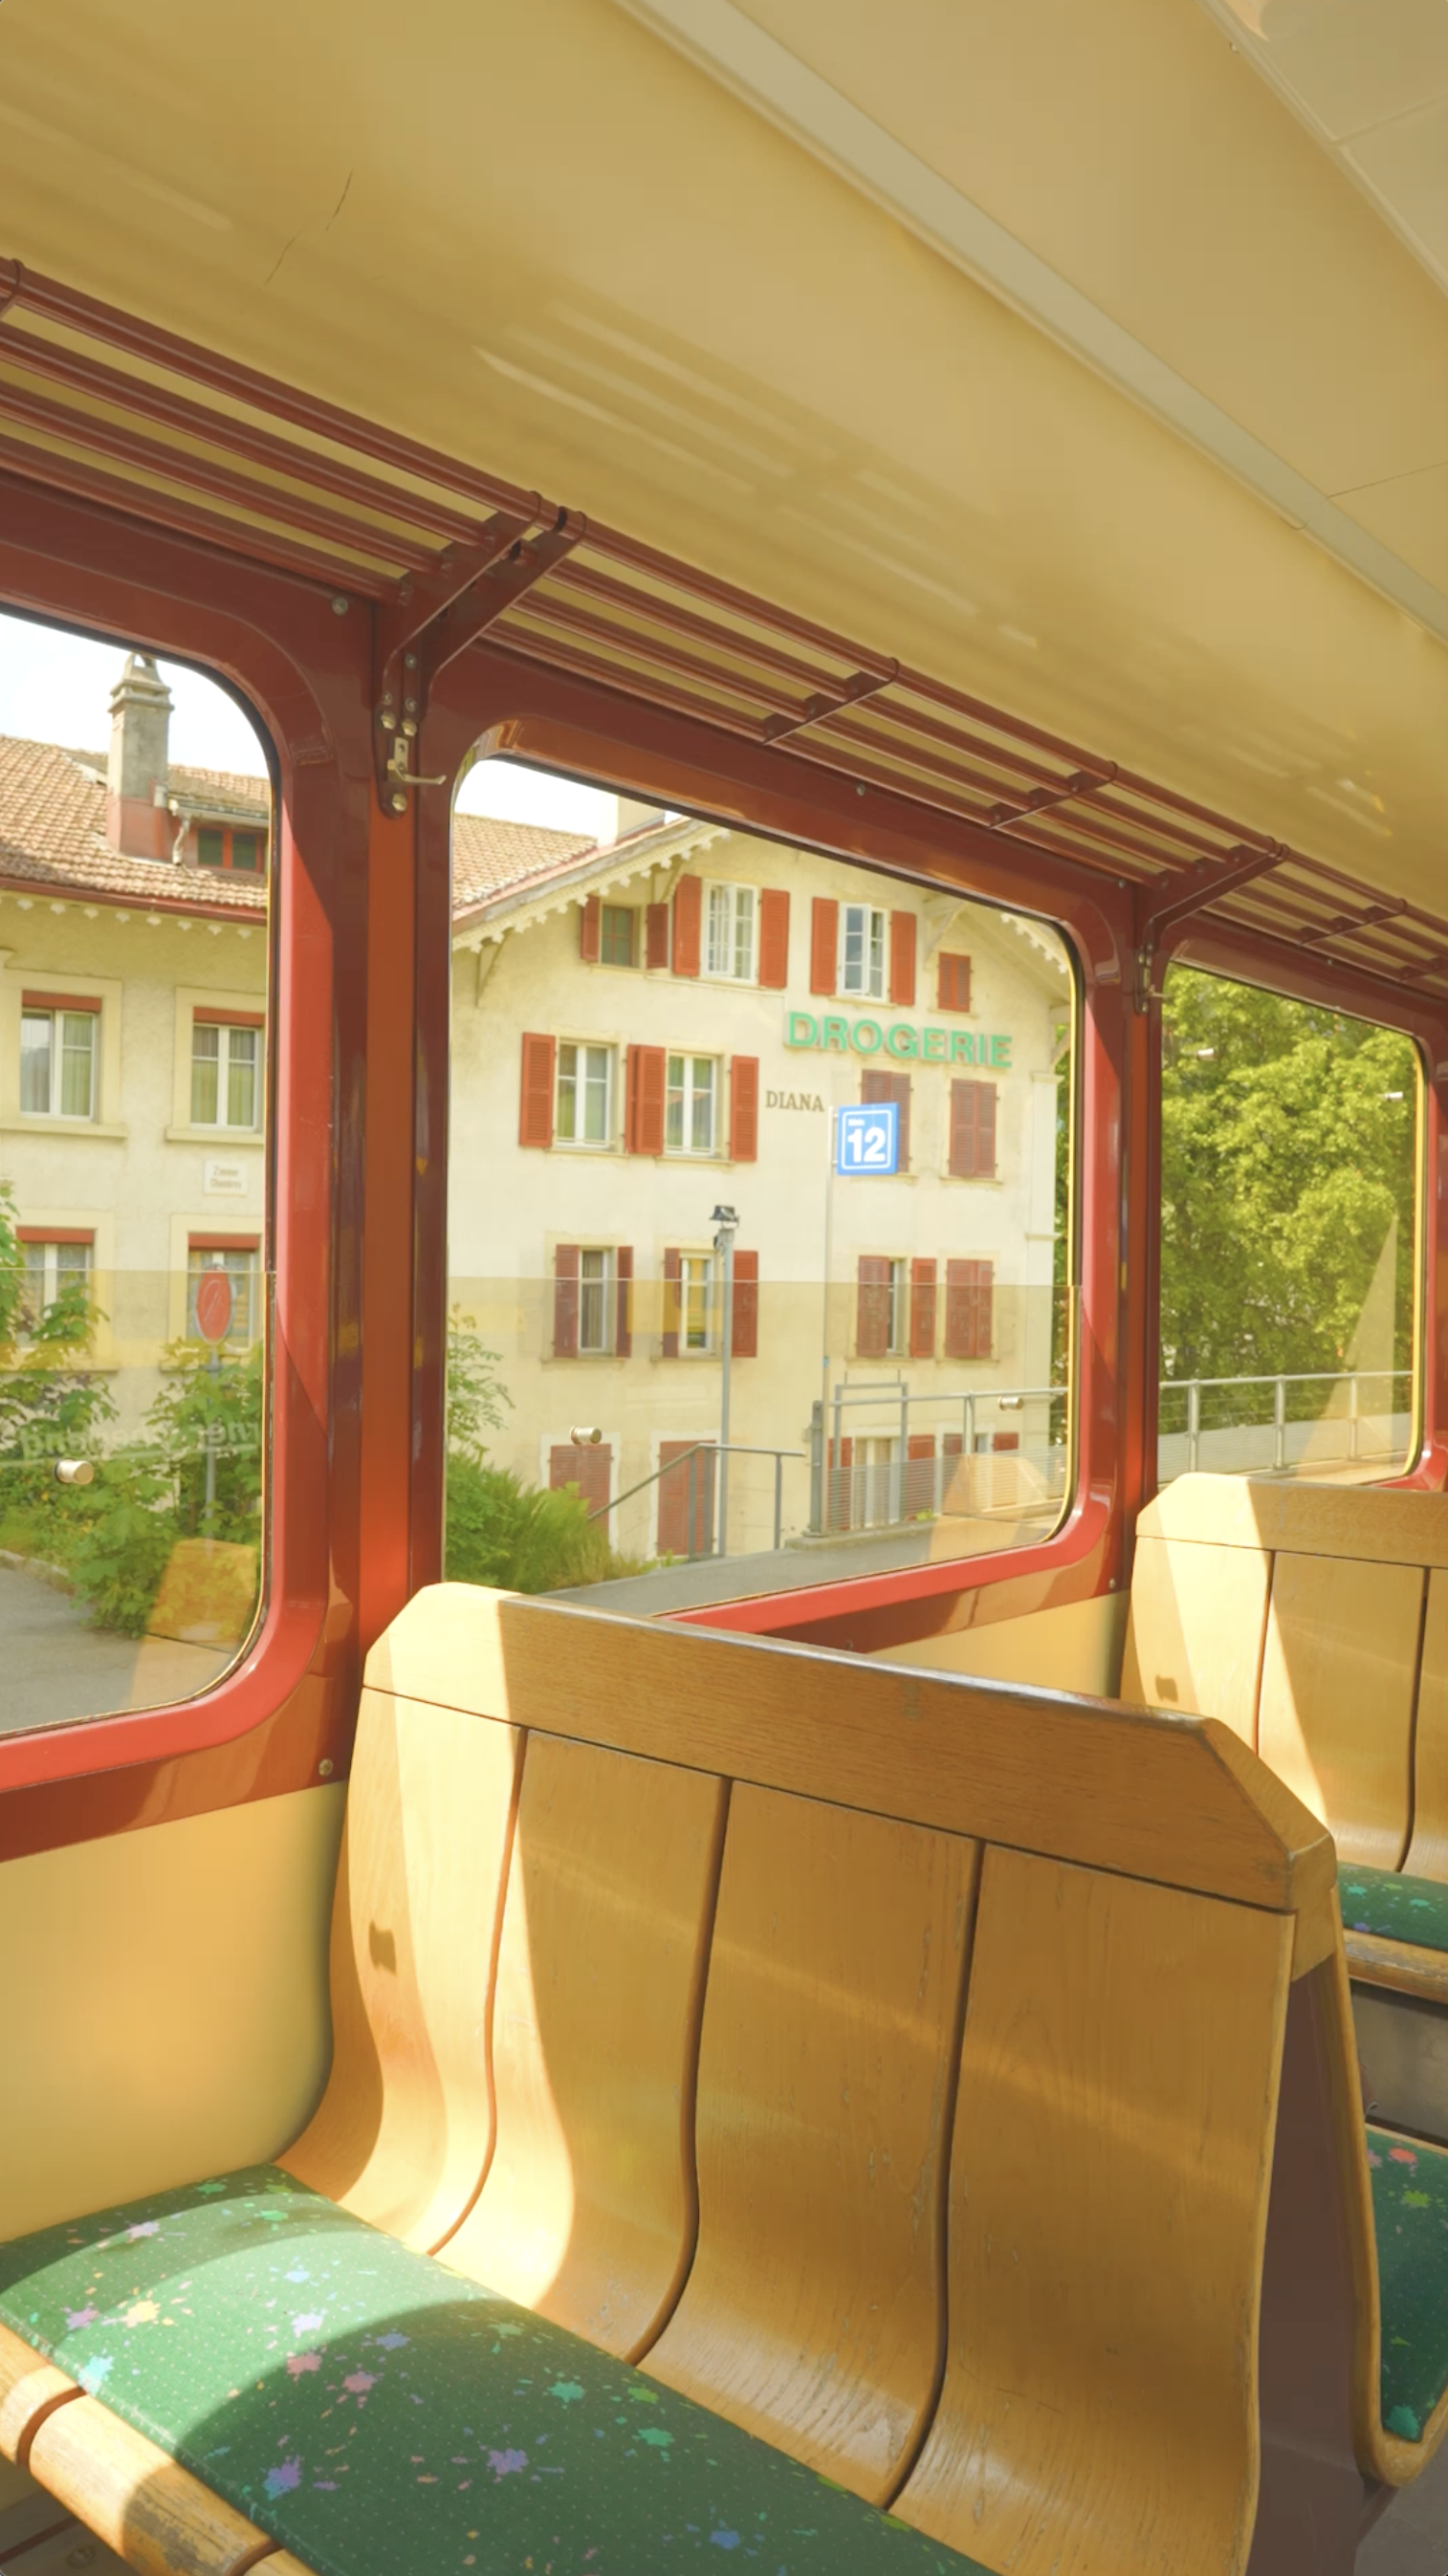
867,1141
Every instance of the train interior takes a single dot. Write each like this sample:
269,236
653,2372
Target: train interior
723,1278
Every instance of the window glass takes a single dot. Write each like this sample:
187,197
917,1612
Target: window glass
584,1087
731,931
1289,1264
862,950
133,1280
689,1110
715,1356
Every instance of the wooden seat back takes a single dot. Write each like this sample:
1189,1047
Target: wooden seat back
813,2313
1296,1614
1146,1893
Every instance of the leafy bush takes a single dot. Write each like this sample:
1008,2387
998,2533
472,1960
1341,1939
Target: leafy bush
519,1537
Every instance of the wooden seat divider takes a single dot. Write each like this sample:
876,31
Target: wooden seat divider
891,2061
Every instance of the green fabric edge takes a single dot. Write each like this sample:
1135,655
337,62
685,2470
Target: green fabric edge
1393,1907
1410,2220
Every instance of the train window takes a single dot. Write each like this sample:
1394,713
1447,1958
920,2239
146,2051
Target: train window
133,1285
1289,1227
800,1311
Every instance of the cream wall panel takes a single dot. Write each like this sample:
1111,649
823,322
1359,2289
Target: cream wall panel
1077,1647
165,2010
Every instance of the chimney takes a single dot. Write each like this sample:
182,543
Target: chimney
631,815
137,822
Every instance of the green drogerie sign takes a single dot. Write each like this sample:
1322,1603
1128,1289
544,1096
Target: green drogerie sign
832,1034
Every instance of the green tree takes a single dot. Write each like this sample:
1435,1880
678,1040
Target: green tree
51,1405
1287,1191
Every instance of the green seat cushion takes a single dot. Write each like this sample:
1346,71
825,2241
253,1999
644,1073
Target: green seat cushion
1394,1907
381,2416
1410,2215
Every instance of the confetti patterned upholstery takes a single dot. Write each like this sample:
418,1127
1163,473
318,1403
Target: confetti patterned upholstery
1394,1907
1410,2213
377,2413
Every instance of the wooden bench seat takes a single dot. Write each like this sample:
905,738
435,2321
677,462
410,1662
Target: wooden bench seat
768,2087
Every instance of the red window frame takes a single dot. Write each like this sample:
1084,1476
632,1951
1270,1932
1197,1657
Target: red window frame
360,930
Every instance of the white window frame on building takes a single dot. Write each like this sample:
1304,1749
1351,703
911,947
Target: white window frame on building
50,1261
597,1300
65,1018
240,1258
234,1059
567,1078
864,959
698,1324
696,1103
731,931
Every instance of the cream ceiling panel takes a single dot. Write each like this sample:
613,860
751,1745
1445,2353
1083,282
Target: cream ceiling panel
544,240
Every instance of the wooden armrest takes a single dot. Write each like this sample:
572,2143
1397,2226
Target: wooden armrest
1399,1964
132,2495
30,2390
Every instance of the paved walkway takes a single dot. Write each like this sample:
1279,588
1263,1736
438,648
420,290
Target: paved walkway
55,1668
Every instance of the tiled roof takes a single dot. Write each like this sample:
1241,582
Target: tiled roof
52,834
491,857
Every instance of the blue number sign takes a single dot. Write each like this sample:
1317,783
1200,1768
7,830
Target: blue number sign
867,1141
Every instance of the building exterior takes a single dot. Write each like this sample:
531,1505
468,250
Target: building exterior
647,1036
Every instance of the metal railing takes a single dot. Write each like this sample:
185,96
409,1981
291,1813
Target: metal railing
708,1450
874,1393
1353,1379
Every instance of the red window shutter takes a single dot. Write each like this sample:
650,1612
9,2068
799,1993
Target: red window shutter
646,1075
896,1087
902,960
922,1311
824,943
590,1469
656,935
672,1276
744,1335
774,938
688,916
872,1308
973,1131
969,1302
565,1302
588,930
686,1499
952,991
744,1108
985,1132
535,1114
623,1315
1005,1440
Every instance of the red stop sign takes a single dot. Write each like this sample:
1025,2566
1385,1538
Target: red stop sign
213,1306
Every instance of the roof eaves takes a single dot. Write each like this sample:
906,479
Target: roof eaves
552,890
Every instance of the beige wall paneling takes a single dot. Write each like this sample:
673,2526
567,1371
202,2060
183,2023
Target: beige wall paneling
132,2495
1428,1851
1108,2201
813,2314
1194,1638
1338,1681
403,2134
176,1975
588,2211
1076,1647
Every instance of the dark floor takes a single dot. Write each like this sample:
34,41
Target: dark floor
1412,2538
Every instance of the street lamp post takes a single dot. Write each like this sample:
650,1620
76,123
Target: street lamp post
726,1223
